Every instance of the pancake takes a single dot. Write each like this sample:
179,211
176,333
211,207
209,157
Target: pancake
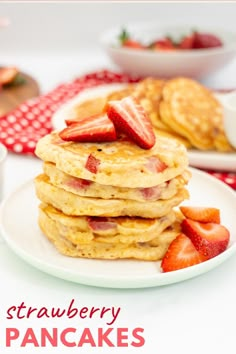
87,188
221,142
72,204
173,135
83,230
190,110
147,251
121,163
148,93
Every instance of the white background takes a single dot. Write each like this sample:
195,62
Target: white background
55,42
69,26
61,32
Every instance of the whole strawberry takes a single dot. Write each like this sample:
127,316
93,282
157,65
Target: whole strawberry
128,42
206,40
162,44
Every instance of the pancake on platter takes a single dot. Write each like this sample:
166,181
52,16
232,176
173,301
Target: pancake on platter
190,109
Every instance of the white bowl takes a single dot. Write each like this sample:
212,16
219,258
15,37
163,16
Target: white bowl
196,63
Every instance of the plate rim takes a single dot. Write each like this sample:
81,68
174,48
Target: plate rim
77,98
141,281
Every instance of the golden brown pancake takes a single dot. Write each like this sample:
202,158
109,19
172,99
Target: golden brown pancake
87,188
84,229
147,251
72,204
121,163
190,109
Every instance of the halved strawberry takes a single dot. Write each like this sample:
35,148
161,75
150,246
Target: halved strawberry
96,128
7,75
210,239
202,214
129,117
92,164
181,254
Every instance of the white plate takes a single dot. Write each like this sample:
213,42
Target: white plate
18,221
208,160
214,160
58,119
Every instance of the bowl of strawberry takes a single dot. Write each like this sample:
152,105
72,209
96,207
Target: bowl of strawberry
151,50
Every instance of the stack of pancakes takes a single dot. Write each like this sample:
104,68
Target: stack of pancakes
111,200
179,108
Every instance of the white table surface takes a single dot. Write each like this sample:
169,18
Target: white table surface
195,316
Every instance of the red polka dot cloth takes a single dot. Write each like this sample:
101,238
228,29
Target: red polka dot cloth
22,128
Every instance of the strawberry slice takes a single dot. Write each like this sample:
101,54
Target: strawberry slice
181,254
92,129
210,239
7,75
201,214
130,118
92,164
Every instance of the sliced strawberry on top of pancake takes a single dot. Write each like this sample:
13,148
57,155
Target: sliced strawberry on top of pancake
129,117
97,128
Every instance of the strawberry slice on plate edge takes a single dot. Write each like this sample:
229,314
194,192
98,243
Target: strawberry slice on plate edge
181,254
202,214
210,239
